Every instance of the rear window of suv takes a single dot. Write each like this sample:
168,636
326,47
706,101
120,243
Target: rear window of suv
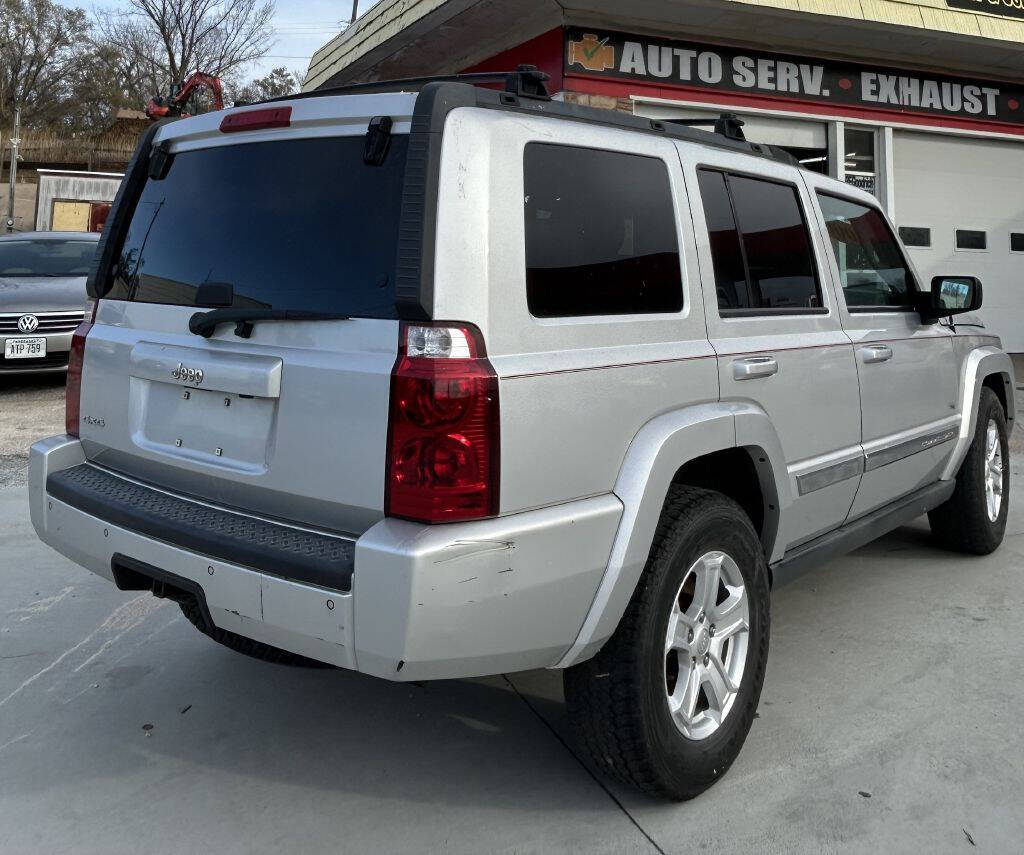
292,224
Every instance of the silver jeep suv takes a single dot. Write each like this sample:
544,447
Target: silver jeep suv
462,381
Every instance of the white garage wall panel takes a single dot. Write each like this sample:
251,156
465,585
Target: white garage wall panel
770,130
946,183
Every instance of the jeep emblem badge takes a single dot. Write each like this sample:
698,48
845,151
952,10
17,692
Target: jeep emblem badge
28,323
189,375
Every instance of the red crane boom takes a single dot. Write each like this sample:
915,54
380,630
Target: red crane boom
173,107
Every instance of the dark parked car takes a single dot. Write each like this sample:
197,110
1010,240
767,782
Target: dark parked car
42,297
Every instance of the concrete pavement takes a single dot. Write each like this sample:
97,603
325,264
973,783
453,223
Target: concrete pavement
889,723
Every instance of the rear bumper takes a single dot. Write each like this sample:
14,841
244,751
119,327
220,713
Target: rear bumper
424,602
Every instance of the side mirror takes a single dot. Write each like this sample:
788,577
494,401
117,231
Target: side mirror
951,295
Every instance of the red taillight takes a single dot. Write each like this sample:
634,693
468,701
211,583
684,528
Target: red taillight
73,401
256,120
443,458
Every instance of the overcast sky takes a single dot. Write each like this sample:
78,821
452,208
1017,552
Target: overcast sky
301,26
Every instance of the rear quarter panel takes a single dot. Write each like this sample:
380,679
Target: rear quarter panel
574,391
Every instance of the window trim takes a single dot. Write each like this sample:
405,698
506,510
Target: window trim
871,310
823,309
557,320
1016,251
968,248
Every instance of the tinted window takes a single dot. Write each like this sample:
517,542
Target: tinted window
968,239
871,266
46,257
294,224
726,253
1016,242
780,266
600,233
915,236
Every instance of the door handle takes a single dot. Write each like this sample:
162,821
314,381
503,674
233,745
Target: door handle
753,367
875,353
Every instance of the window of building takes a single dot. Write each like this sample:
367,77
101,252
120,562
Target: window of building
1016,241
860,167
971,239
601,234
915,236
760,245
872,268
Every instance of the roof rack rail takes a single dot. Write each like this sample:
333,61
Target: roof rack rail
728,125
527,81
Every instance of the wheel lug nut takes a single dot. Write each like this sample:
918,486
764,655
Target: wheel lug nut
707,660
689,635
700,618
711,630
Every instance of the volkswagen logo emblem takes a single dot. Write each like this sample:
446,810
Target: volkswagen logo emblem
28,323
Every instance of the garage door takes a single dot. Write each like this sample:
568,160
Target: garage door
958,202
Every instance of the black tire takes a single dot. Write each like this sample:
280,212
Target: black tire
962,522
240,644
617,701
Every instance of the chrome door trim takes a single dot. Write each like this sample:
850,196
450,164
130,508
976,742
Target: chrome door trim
826,476
898,451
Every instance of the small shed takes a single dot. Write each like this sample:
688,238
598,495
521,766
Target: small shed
70,201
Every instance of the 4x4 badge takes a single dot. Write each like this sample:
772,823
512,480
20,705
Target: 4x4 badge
189,375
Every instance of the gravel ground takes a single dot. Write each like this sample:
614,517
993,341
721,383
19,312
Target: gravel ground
30,408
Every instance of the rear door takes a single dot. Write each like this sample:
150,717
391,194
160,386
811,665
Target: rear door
288,419
908,372
773,322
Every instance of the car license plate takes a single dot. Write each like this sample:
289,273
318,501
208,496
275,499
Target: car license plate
25,348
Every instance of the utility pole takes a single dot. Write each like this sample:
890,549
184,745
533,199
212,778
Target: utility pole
355,11
13,171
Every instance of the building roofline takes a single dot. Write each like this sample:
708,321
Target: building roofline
404,37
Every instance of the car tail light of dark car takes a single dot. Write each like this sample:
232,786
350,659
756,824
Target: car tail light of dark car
443,452
72,406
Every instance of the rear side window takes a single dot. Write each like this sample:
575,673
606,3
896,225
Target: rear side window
760,245
730,272
872,268
600,233
293,224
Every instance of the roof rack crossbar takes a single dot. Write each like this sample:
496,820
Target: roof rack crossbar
728,125
527,81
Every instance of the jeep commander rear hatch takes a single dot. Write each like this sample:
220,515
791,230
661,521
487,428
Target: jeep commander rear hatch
247,329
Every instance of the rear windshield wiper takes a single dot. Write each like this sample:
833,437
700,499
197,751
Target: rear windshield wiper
204,323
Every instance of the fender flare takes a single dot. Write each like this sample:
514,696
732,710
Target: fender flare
980,363
657,452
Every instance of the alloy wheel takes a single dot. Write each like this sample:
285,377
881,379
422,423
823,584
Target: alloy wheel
706,645
993,471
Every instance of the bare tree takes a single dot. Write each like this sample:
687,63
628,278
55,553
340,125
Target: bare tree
277,84
164,41
41,45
